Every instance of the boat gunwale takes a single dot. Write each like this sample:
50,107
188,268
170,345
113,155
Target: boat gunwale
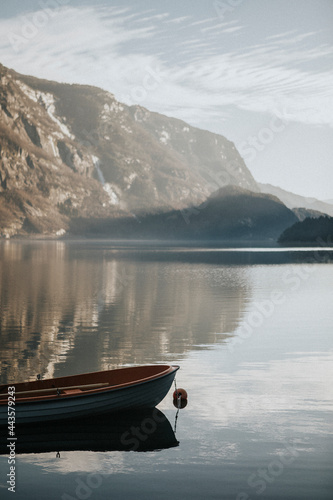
169,369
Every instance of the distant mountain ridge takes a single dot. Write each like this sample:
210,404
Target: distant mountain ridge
292,200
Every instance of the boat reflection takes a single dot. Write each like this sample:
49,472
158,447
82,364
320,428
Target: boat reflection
141,430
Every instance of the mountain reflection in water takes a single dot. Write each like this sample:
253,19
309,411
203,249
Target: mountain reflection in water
69,308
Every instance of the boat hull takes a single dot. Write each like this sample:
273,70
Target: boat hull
141,394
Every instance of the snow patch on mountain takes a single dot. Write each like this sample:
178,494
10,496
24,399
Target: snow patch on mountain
165,137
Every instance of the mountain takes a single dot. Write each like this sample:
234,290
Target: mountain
292,200
231,214
305,213
236,213
310,231
73,151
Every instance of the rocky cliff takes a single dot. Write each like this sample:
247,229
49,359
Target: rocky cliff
69,151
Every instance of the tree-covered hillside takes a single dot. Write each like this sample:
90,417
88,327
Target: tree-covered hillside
310,230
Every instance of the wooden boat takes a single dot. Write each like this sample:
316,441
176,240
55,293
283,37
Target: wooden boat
86,394
135,430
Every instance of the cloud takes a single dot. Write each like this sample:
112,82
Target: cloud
175,65
228,399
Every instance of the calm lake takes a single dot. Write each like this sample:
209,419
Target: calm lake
252,331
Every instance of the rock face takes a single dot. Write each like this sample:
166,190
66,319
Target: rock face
46,176
69,151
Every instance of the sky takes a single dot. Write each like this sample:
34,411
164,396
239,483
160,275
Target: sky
259,72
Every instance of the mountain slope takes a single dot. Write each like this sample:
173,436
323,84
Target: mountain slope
231,214
237,213
310,231
292,200
73,150
174,163
45,175
304,213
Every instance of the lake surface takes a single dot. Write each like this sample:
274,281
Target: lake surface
251,330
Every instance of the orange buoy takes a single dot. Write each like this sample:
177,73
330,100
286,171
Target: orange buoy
179,403
180,395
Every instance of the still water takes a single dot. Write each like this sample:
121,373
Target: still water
251,330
